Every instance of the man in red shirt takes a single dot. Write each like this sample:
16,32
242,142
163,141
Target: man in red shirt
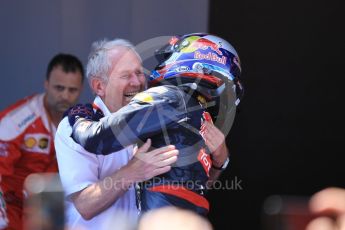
27,130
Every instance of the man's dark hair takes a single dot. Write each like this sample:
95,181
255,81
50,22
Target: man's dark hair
68,62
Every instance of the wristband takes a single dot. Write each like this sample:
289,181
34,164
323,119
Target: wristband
223,166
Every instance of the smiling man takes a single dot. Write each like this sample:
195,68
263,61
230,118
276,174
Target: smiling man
126,79
99,189
27,131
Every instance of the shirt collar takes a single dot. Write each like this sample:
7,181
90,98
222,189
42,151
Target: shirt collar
100,104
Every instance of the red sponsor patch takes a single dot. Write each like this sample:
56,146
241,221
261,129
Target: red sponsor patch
205,160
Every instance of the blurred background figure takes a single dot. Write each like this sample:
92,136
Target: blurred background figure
329,204
171,218
325,210
44,206
285,212
27,130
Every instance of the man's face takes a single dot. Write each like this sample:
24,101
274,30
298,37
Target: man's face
62,89
125,80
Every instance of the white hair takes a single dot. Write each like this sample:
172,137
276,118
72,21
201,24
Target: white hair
99,63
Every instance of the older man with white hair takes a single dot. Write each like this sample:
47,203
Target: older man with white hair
99,189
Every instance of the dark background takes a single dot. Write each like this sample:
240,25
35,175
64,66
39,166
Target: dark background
288,137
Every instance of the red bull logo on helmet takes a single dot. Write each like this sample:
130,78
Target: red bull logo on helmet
210,56
194,43
205,43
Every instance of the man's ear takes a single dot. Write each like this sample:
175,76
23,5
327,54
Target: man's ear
98,86
46,84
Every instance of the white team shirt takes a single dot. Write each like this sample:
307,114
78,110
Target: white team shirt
79,168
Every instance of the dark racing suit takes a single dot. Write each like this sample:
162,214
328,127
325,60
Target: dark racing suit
167,115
